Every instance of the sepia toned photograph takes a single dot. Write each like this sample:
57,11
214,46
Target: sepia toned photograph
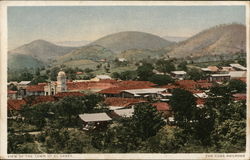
125,79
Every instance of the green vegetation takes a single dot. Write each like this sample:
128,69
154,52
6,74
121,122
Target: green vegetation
161,79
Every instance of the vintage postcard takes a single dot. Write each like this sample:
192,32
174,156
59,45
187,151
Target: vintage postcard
124,80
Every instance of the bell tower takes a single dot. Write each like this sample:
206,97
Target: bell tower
61,82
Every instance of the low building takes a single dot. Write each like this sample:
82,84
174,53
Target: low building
178,74
101,77
12,94
239,96
23,84
15,104
35,90
115,103
142,93
163,107
94,120
124,112
122,60
219,77
237,74
238,67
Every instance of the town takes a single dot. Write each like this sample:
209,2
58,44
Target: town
160,99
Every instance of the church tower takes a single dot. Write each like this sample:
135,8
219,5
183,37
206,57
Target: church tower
61,82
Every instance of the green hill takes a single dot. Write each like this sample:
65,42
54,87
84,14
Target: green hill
139,54
119,42
42,50
93,52
19,61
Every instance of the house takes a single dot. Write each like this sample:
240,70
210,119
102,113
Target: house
36,90
142,93
178,74
12,94
23,84
186,84
12,82
210,69
94,120
101,77
238,67
15,104
94,86
227,69
163,107
200,102
21,87
125,85
124,112
39,99
66,94
122,60
219,77
115,103
237,74
204,84
239,96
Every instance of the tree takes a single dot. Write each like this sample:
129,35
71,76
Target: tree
69,108
168,140
165,66
237,86
39,79
128,75
145,71
147,120
26,76
161,79
230,136
115,75
204,126
195,74
182,66
183,105
88,70
129,134
37,114
53,73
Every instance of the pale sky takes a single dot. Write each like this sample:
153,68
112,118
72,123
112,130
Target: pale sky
76,23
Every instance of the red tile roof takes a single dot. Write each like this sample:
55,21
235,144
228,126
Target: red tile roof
88,85
213,68
64,94
115,101
12,92
243,79
200,101
42,99
169,86
136,83
187,84
239,96
205,85
195,91
162,106
36,88
14,104
125,85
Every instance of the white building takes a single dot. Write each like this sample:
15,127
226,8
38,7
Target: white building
60,85
178,74
238,67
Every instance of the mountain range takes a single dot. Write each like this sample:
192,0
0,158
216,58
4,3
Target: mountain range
222,39
119,42
132,45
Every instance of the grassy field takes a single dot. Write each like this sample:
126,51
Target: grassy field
115,69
